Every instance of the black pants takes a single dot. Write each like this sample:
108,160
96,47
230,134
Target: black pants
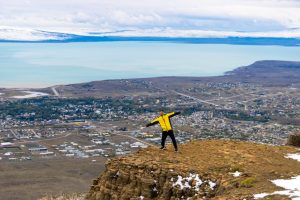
165,134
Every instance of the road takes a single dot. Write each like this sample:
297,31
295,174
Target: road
37,135
14,133
225,98
196,99
263,96
55,92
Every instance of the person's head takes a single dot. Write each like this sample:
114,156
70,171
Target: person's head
161,113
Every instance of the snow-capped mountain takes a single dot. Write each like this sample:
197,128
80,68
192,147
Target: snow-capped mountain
185,33
289,37
22,34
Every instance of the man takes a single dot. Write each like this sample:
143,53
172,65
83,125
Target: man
166,126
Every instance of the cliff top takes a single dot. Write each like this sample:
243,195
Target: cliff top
235,169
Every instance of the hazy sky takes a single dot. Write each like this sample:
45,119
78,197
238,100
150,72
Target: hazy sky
266,16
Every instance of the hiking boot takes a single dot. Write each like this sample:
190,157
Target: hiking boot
162,148
176,150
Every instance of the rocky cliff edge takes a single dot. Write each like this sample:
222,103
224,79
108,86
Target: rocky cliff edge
205,169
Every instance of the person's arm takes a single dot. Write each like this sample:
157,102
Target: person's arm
172,114
152,123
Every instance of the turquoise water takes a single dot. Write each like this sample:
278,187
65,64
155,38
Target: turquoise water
45,64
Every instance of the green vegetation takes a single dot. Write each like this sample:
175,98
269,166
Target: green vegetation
243,116
51,108
248,182
235,168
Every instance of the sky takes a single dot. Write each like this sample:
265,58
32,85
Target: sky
161,17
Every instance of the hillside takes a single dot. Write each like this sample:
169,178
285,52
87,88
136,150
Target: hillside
215,169
267,73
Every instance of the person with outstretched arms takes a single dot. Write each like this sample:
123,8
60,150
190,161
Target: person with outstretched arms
167,130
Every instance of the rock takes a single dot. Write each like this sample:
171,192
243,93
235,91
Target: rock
294,140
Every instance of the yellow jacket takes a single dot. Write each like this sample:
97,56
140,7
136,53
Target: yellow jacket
164,121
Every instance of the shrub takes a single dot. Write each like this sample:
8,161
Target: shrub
248,182
294,140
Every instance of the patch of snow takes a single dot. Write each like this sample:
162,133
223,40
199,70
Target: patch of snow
294,156
141,197
179,182
184,182
30,94
291,186
261,195
187,184
212,185
198,182
236,174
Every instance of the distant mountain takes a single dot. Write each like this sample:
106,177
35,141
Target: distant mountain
30,35
267,73
11,34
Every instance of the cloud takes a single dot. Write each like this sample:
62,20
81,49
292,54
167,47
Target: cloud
112,15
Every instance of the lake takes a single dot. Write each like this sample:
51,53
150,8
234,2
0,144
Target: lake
46,64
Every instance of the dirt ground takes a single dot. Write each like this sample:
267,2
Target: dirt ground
29,180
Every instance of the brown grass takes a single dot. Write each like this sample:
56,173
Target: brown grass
45,177
63,196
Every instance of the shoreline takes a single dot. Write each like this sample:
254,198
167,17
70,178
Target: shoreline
43,86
